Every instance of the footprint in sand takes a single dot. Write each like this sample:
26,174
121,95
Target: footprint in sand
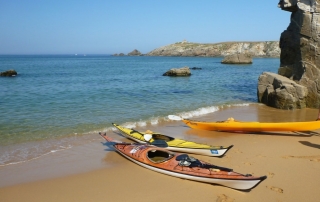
276,189
224,198
270,175
310,158
247,163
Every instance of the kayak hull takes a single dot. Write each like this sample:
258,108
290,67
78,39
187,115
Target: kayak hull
145,156
177,145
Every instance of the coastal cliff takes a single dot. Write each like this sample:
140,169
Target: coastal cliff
188,49
298,82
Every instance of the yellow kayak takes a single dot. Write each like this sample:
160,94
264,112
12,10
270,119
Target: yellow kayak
173,144
233,125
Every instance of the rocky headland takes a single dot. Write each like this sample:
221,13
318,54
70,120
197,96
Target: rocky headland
188,49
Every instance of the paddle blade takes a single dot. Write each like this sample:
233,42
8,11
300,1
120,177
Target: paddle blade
159,143
109,139
175,118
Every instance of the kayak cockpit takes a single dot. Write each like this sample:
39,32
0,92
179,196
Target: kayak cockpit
159,156
157,136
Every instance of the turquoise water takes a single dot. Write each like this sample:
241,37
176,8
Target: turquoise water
64,96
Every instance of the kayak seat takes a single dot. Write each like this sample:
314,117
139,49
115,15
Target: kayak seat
159,156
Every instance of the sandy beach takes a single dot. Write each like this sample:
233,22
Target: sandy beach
93,172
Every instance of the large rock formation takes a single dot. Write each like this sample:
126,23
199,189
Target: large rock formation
187,49
300,53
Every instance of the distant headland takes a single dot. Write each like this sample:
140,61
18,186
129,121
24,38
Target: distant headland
189,49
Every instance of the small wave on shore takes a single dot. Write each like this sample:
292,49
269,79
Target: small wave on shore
153,121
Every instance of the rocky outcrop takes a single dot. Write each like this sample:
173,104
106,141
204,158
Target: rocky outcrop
237,59
120,54
300,53
184,71
10,72
255,49
281,92
135,52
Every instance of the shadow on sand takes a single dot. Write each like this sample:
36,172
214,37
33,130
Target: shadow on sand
309,144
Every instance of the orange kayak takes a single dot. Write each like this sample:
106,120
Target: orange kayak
233,125
183,166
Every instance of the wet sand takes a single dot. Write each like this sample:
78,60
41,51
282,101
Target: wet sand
93,172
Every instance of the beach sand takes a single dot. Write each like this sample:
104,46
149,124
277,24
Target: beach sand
93,172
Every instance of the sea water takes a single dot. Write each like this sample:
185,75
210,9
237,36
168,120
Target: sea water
55,100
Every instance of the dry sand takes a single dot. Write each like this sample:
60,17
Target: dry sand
92,172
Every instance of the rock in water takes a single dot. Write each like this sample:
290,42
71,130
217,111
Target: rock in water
9,73
184,71
237,59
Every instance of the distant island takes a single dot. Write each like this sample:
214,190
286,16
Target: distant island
189,49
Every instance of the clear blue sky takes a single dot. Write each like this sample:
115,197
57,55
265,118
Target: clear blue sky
120,26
